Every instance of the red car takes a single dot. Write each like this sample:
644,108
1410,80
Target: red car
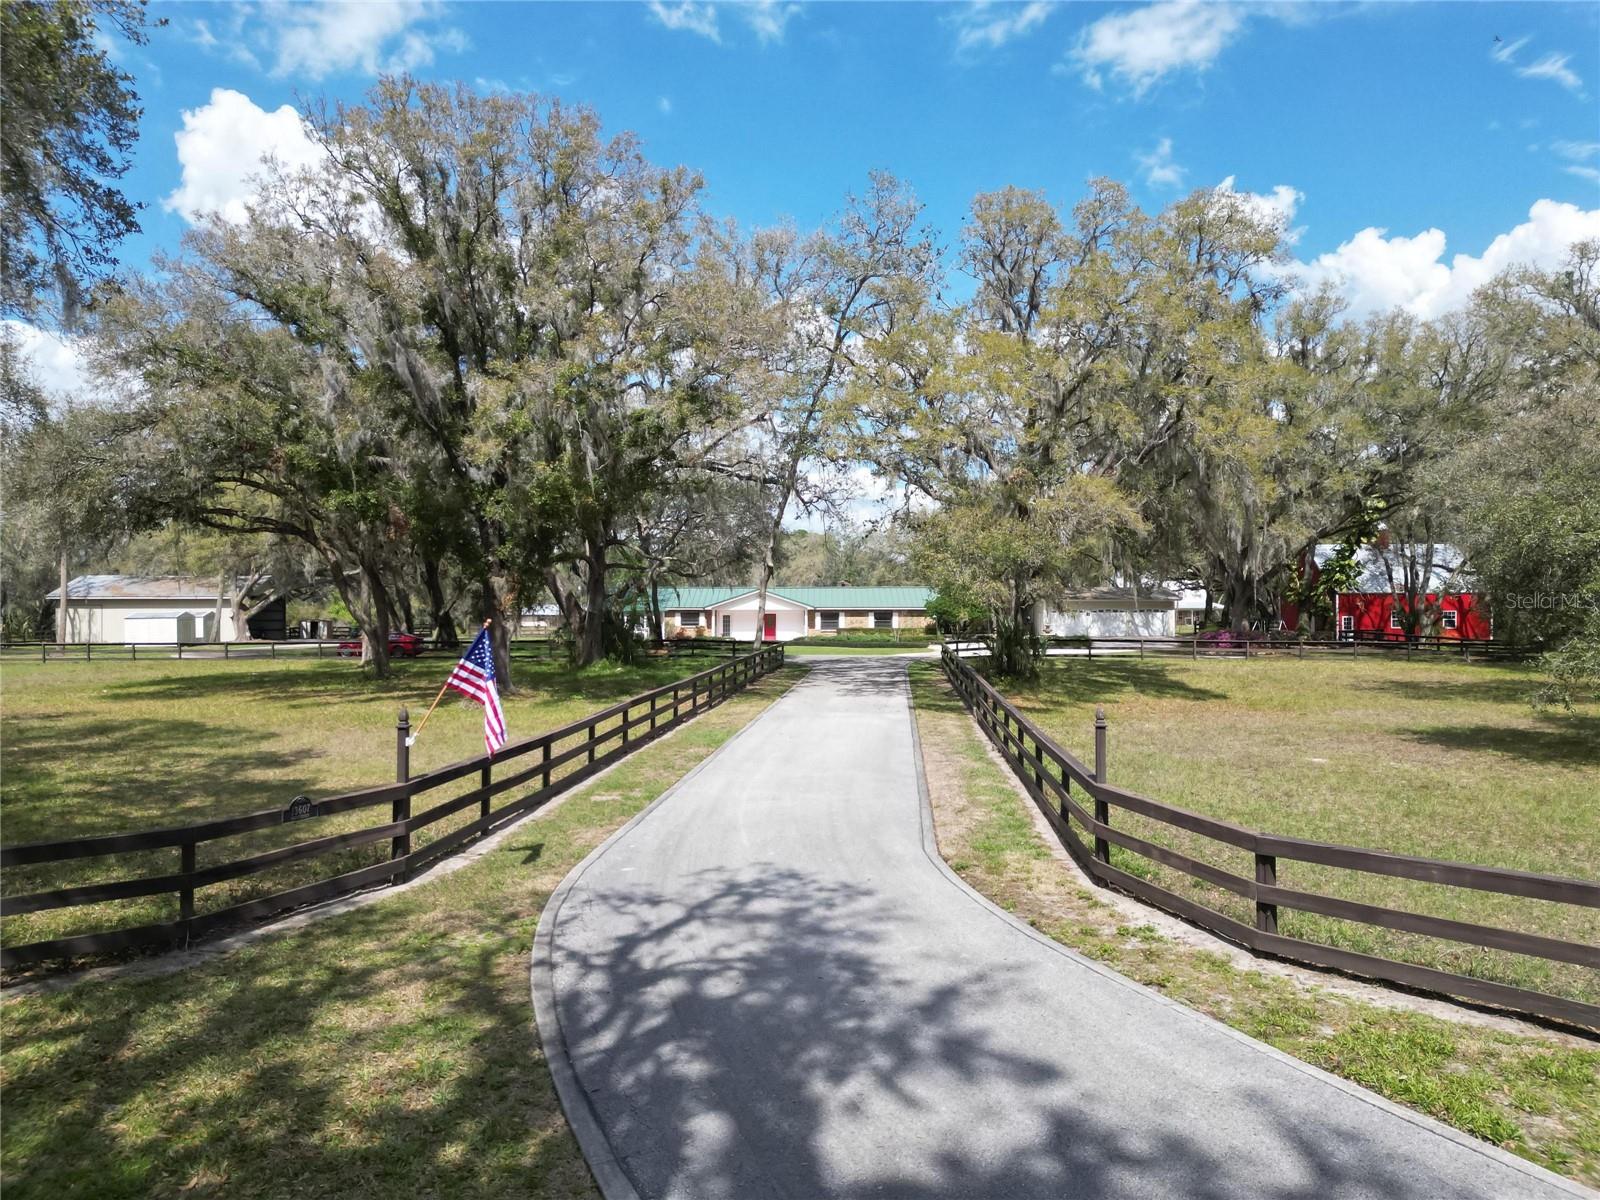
401,645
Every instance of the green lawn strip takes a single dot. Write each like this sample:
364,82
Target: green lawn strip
1436,758
386,1052
1537,1096
94,748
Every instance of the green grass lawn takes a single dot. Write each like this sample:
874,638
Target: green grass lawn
1435,758
388,1052
1534,1093
94,748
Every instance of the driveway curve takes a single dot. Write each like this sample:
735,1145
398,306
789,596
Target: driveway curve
769,985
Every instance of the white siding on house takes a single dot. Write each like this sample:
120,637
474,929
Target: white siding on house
741,618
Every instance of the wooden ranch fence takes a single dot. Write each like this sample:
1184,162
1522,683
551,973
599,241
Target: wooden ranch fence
293,648
1200,647
1050,773
530,762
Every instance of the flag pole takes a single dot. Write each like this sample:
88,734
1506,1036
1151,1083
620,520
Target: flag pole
412,740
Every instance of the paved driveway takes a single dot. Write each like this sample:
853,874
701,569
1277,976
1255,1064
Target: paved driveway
769,985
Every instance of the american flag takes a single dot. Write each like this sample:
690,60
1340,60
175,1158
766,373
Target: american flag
473,677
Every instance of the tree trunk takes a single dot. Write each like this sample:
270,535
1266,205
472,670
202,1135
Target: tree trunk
216,619
406,614
495,601
591,646
61,607
1240,600
444,626
657,624
769,558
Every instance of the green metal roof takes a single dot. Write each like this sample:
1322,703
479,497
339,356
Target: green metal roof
882,598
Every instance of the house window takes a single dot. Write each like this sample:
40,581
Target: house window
883,620
690,619
1394,618
727,625
828,622
1450,617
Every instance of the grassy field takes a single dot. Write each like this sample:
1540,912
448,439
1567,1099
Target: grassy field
388,1052
93,748
1435,758
1537,1095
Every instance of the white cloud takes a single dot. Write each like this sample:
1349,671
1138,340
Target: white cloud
665,105
327,37
1139,46
1158,167
769,18
1505,52
221,147
1278,206
57,364
990,24
1553,66
1592,174
1576,151
694,16
1376,272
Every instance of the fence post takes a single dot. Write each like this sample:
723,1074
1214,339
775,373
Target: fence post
1102,809
1194,646
1267,873
44,652
483,782
224,649
88,652
400,845
186,892
544,774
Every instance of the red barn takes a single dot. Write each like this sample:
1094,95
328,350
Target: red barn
1386,575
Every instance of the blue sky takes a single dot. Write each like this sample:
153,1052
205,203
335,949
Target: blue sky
1398,136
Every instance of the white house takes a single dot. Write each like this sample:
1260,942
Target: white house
1109,612
131,608
793,612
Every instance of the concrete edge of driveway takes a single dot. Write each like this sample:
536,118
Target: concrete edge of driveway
1421,1121
604,1164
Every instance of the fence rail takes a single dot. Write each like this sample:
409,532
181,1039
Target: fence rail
1049,773
1198,647
292,648
631,724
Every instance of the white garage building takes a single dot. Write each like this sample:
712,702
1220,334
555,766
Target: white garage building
1109,612
132,608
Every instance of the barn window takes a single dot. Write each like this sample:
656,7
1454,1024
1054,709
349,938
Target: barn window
1347,623
1394,618
883,620
1450,618
828,622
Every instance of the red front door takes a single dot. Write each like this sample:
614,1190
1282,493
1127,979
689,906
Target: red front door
769,627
